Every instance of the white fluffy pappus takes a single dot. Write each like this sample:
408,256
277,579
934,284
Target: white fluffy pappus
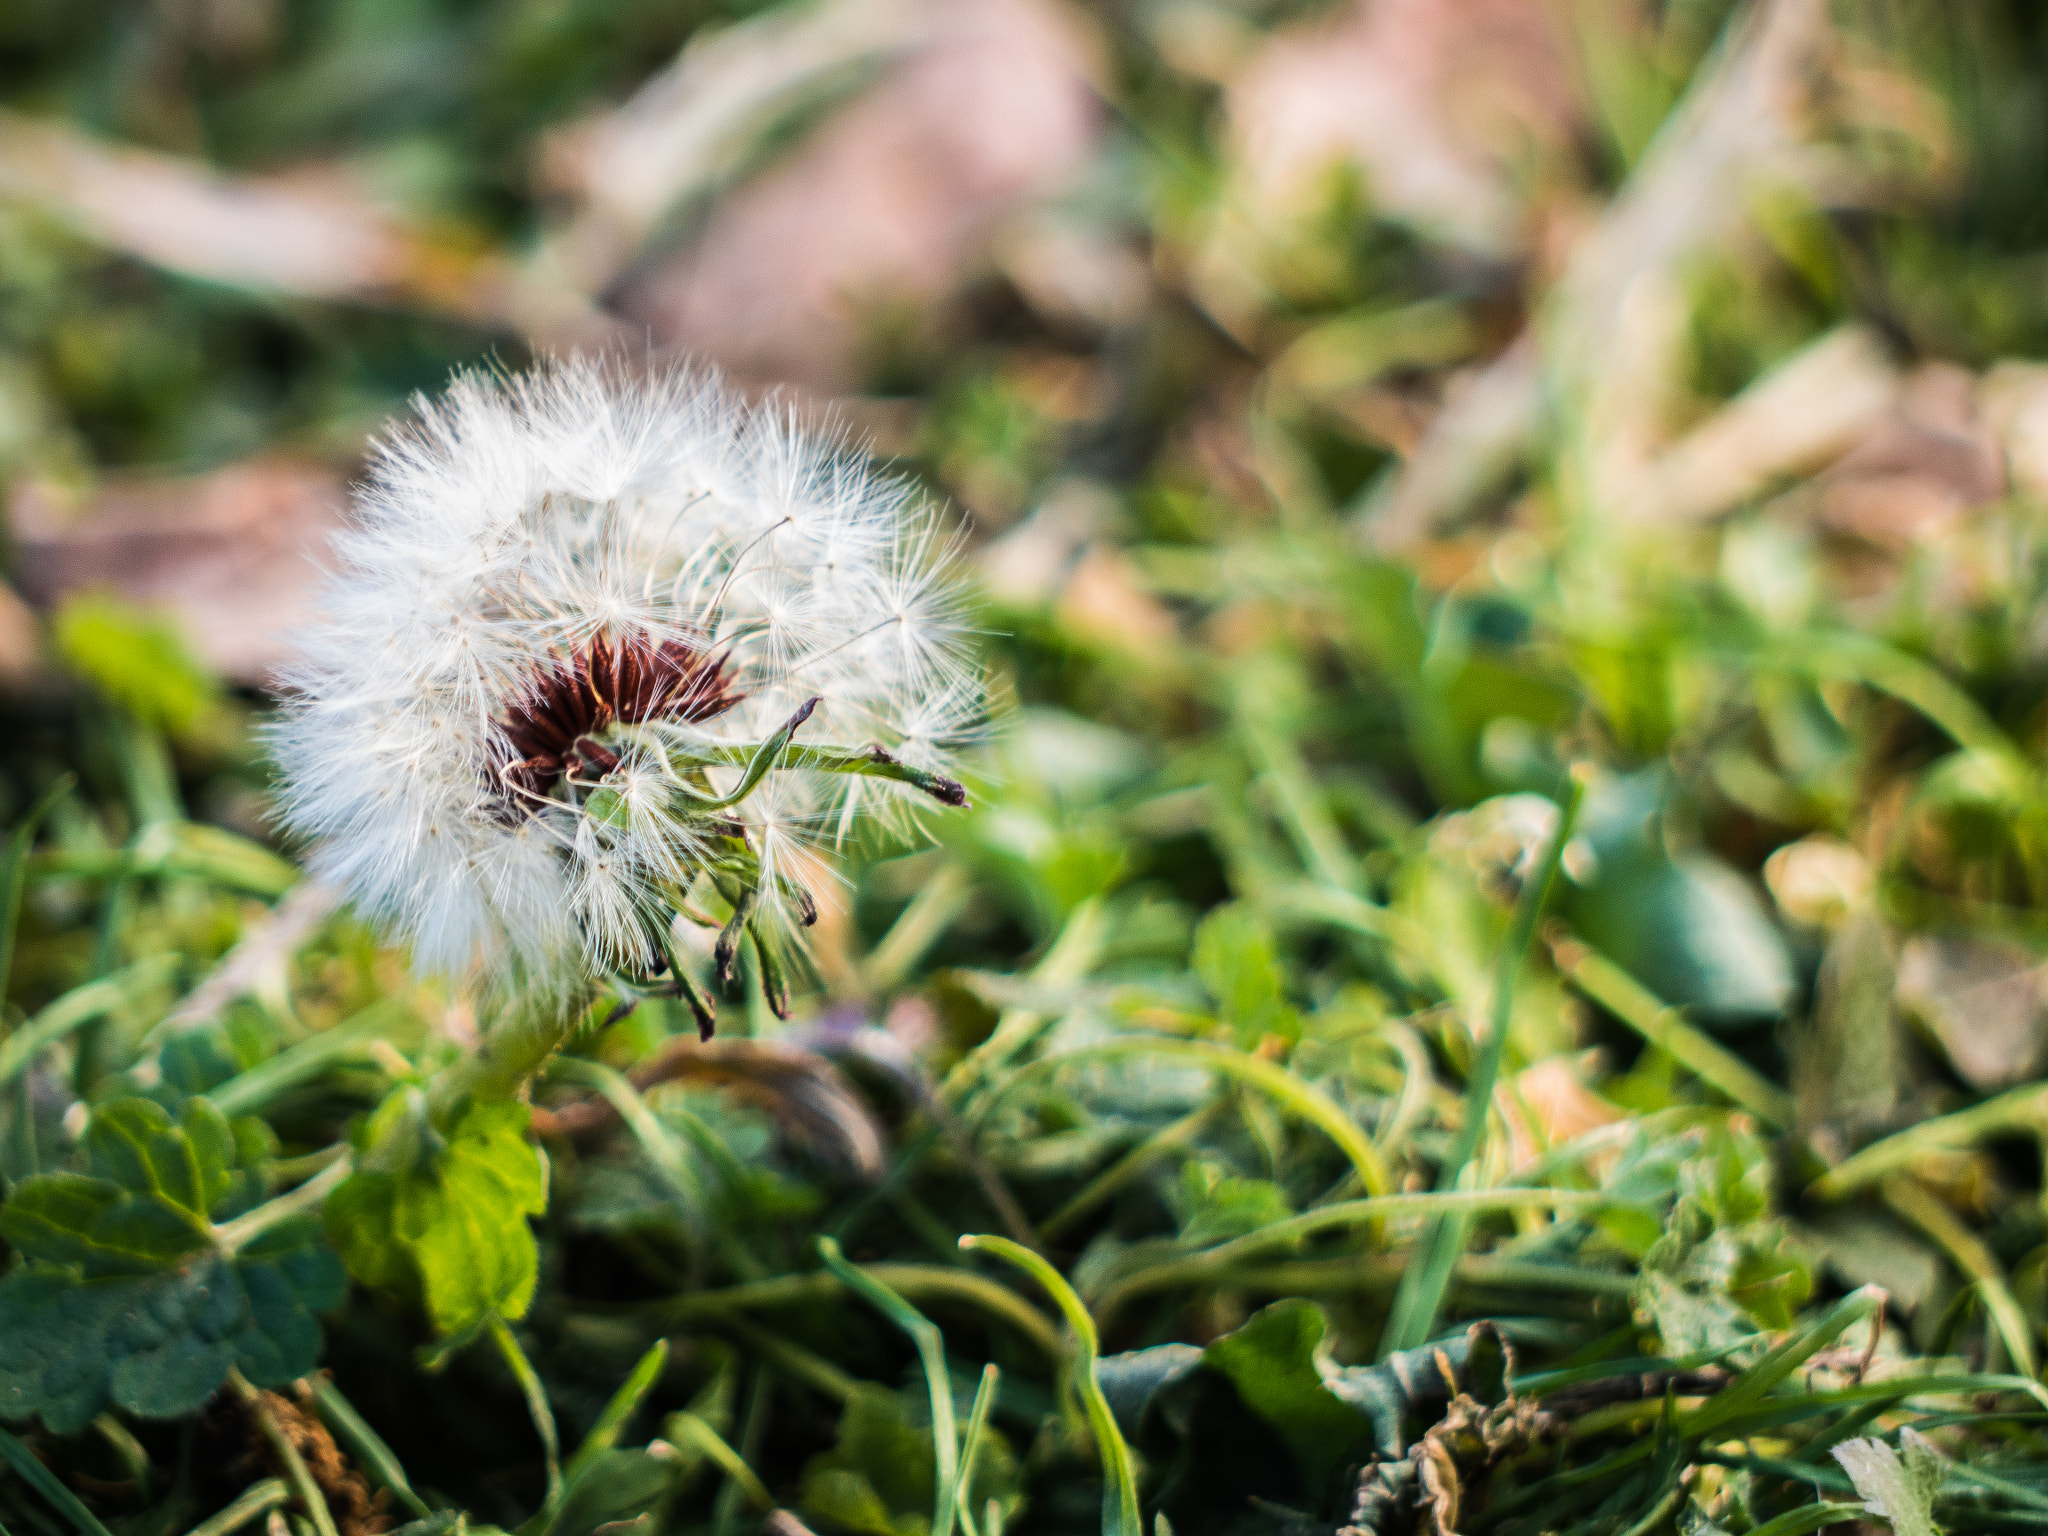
572,605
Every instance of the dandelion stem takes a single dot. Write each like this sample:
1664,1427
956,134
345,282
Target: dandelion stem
517,1047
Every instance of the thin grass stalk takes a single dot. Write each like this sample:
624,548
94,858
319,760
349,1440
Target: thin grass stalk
931,1353
39,1477
253,1501
970,1447
1119,1476
1420,1298
543,1417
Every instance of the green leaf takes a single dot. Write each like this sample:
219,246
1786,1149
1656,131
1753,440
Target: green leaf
617,1486
137,659
879,1480
1408,1382
442,1219
1234,957
1896,1486
1215,1206
128,1300
1771,1285
1132,1383
1273,1362
1690,929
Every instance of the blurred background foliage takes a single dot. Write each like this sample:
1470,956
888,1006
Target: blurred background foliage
1356,415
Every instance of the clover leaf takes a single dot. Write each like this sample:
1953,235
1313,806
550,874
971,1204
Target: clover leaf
439,1215
127,1294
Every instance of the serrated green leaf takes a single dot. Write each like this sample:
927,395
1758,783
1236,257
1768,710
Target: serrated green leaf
443,1220
1898,1486
146,1202
157,1345
135,1143
1233,955
127,1299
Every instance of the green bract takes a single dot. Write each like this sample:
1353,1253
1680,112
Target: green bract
130,1296
440,1216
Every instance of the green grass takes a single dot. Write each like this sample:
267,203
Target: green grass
1452,1008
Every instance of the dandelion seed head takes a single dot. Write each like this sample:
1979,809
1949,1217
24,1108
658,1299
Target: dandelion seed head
557,587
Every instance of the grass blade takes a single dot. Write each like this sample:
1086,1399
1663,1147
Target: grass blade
14,872
248,1092
1306,1100
543,1421
970,1448
1120,1486
296,1474
1636,1006
340,1416
922,1280
254,1500
1420,1298
44,1481
688,1429
1750,1387
604,1434
931,1352
79,1007
1797,1522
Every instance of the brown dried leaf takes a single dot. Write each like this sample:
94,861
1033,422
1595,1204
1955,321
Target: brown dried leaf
1547,1105
1919,467
1437,101
21,639
356,1509
1984,1002
691,124
1104,602
1810,410
2014,399
888,206
179,214
235,555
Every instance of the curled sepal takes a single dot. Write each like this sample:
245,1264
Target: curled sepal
774,979
761,759
684,985
871,761
726,950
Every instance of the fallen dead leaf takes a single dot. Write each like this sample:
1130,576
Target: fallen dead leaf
1812,409
21,639
2014,398
234,555
1919,467
1547,1105
179,214
1985,1003
888,206
1104,602
1439,102
1029,563
1073,274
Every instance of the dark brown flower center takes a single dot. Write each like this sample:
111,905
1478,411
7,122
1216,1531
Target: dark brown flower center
555,723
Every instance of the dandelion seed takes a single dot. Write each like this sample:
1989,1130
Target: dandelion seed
600,641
